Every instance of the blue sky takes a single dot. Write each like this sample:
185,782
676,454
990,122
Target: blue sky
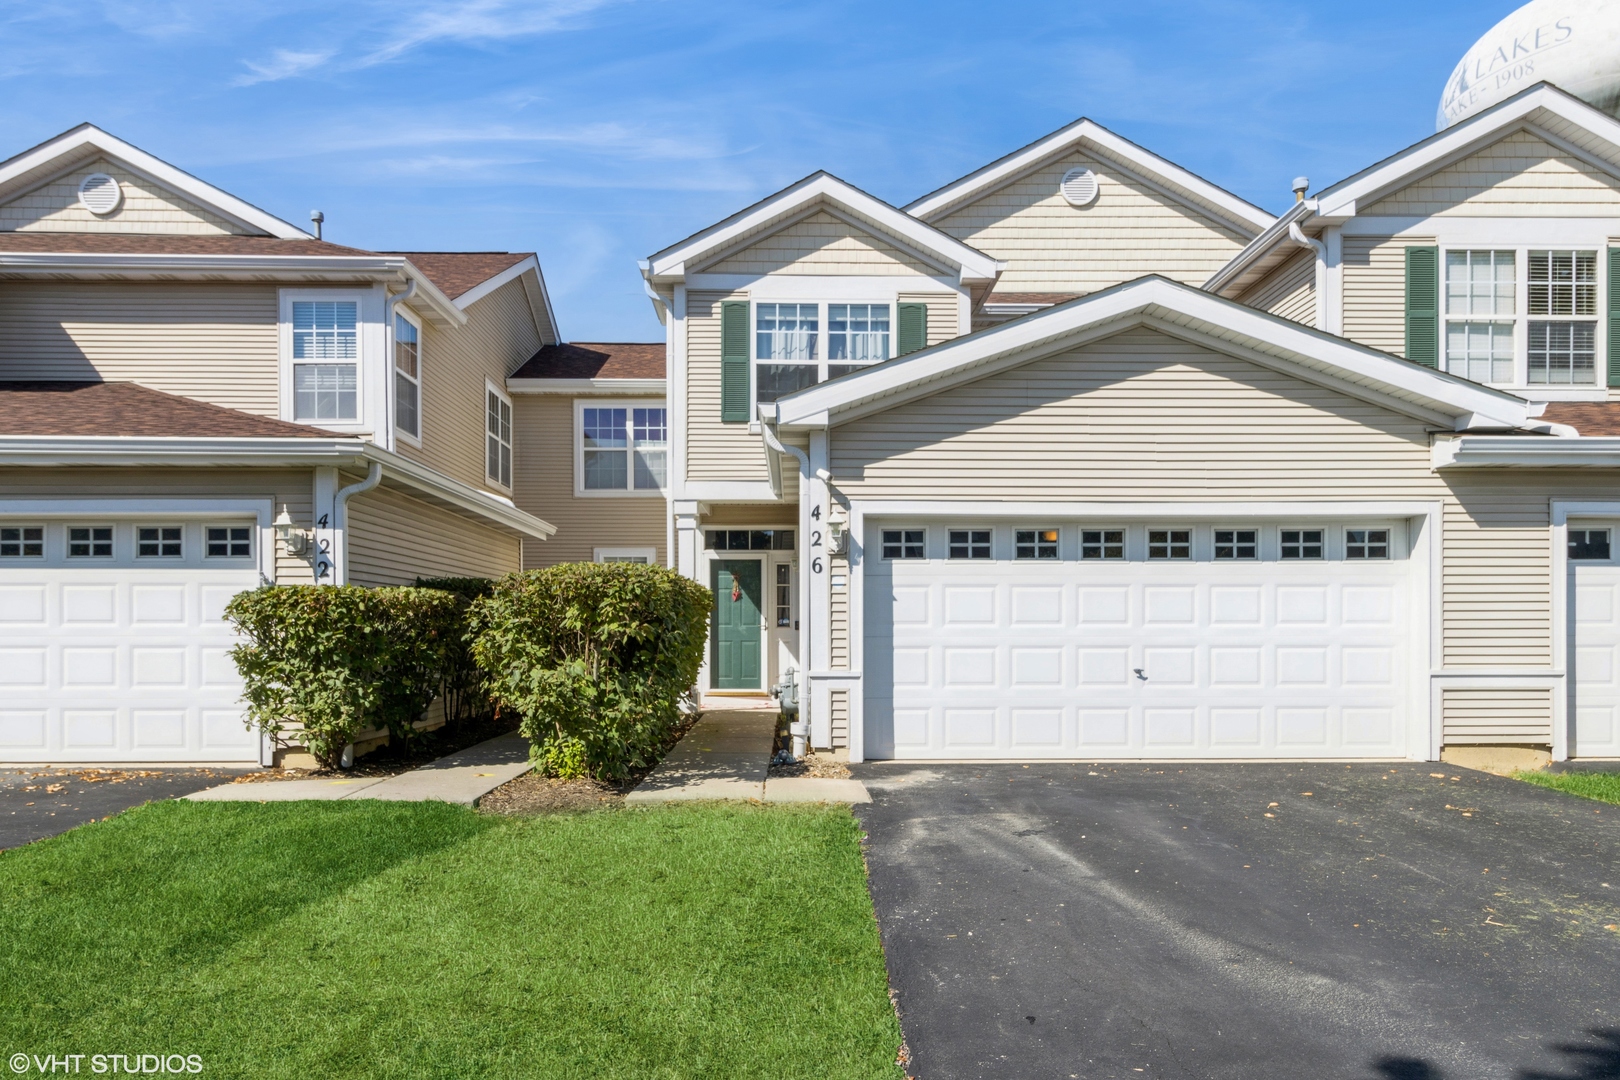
596,132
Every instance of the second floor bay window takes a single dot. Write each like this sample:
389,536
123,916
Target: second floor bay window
326,360
791,351
623,448
407,377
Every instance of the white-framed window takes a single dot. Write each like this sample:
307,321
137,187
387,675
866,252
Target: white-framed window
498,436
801,344
1102,543
1302,543
1366,543
90,541
784,594
1035,543
1169,543
228,541
326,359
904,543
622,447
643,555
22,541
1589,544
407,376
159,541
748,540
1522,316
969,543
1237,543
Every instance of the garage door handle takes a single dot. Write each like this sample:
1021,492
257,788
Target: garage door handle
1139,674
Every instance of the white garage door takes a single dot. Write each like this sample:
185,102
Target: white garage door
1594,570
1213,650
120,658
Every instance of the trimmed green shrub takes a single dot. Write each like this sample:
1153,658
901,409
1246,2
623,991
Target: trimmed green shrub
595,657
462,685
340,659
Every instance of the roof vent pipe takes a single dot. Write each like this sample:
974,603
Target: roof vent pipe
1302,184
318,218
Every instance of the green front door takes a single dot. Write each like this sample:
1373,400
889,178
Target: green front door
736,625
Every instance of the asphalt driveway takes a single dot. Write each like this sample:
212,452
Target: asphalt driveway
36,803
1296,922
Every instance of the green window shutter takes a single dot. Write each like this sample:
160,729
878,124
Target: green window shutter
734,362
1423,305
911,329
1614,316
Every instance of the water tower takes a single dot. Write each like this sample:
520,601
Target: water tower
1573,44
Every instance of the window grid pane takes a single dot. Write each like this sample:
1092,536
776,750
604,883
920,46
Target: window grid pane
784,595
1366,543
1563,283
970,543
1563,352
325,330
1479,282
1480,351
650,434
22,541
1035,544
1237,544
1589,544
786,332
157,541
1302,543
1169,543
94,542
229,541
498,431
903,543
325,392
1102,543
857,334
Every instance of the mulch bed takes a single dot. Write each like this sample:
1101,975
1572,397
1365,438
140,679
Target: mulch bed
533,794
823,766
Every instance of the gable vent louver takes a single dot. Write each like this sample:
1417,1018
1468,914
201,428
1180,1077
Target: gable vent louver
100,193
1079,187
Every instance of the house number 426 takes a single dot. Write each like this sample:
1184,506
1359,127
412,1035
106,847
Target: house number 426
815,542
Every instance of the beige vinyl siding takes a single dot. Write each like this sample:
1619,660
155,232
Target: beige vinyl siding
1519,176
543,480
1050,246
838,617
1288,291
714,450
1143,417
394,539
213,341
838,714
1374,272
1496,715
820,244
148,207
292,490
782,515
942,314
498,337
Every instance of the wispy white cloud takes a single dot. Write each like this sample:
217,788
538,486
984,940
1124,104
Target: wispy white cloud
283,64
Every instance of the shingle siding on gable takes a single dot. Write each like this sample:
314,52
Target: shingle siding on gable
1520,176
821,244
147,208
1050,246
1288,291
213,341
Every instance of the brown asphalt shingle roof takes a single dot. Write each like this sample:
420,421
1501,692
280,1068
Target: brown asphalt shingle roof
1031,298
1586,417
123,408
148,244
456,272
596,360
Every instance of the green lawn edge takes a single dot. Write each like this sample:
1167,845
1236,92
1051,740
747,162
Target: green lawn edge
1601,786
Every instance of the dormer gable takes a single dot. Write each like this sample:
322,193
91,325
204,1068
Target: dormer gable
88,181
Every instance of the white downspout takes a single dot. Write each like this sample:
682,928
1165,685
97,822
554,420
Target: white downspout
340,521
800,728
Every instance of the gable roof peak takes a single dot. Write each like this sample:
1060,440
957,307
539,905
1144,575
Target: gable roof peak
1184,184
39,164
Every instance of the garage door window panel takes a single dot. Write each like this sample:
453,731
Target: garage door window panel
229,542
90,542
1169,543
22,542
1035,544
904,543
1102,543
159,541
970,544
1366,543
1589,544
1302,544
1237,543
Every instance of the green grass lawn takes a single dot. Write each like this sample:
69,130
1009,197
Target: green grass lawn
1603,786
419,940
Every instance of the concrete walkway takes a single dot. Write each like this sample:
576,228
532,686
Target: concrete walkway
463,778
727,755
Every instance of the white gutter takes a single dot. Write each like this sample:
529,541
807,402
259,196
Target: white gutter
660,305
1526,452
340,520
